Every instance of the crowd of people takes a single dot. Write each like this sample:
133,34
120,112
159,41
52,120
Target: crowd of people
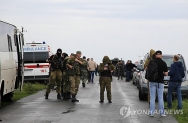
127,68
156,69
67,72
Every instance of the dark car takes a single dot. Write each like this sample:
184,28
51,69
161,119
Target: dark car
142,85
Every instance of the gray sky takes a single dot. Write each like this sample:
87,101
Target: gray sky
118,28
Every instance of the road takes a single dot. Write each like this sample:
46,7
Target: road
35,109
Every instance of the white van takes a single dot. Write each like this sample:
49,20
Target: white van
35,66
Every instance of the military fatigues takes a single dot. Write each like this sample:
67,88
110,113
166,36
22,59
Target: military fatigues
105,78
74,76
66,82
55,73
120,70
84,71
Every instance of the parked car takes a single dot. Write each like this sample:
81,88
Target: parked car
142,85
137,77
135,73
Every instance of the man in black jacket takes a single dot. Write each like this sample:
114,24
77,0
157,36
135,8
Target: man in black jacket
129,67
157,84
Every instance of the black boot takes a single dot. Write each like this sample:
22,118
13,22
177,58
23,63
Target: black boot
64,96
101,101
73,98
58,96
46,95
83,85
68,95
109,101
76,100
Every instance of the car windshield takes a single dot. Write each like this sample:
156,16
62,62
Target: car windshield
169,60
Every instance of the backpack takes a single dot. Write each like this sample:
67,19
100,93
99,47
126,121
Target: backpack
152,71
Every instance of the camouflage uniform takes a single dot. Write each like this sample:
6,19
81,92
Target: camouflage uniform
66,82
152,52
74,76
55,74
84,71
105,78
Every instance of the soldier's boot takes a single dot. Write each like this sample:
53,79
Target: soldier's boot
101,101
64,96
109,101
46,95
58,96
121,78
76,100
73,98
68,95
83,84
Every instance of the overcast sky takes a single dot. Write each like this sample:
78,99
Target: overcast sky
125,29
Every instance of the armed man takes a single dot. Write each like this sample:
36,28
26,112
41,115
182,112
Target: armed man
73,65
55,73
106,69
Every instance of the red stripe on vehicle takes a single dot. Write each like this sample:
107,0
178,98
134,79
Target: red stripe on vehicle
35,66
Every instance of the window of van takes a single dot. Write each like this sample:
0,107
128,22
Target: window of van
35,57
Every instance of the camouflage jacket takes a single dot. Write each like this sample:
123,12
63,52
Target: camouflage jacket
84,68
56,62
76,70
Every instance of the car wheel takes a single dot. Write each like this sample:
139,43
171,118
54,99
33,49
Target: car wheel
141,95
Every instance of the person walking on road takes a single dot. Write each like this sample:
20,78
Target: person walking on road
129,68
89,74
106,69
120,70
73,65
156,70
65,79
92,67
55,73
84,72
176,74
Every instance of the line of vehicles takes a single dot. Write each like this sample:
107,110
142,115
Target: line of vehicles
20,62
141,83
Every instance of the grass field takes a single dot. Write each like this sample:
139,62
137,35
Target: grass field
28,89
181,118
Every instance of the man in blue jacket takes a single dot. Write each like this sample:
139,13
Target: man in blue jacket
176,74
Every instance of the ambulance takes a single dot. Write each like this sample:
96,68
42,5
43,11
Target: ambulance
35,66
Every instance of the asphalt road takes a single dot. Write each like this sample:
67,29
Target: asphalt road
35,109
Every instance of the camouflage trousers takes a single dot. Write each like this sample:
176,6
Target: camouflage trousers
55,76
84,79
66,83
75,82
105,83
